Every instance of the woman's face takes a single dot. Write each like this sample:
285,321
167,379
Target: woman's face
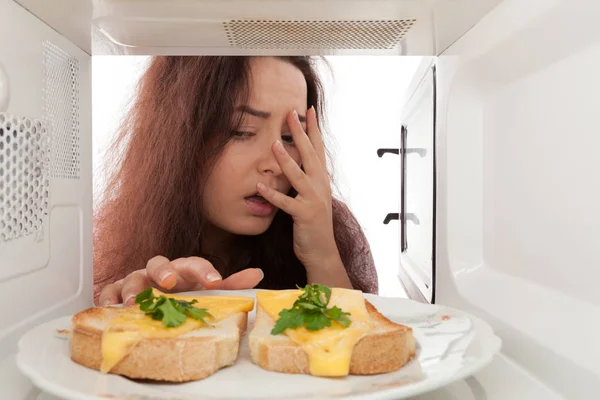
230,202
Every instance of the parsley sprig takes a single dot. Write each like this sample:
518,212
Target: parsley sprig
170,311
310,310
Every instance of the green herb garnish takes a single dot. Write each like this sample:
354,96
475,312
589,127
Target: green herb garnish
170,311
310,311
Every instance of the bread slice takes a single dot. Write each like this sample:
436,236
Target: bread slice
388,347
190,356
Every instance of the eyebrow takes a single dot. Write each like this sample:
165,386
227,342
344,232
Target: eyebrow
262,114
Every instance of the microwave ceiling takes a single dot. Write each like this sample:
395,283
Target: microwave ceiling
261,27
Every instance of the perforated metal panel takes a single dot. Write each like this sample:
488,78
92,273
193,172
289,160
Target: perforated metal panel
254,34
24,161
61,108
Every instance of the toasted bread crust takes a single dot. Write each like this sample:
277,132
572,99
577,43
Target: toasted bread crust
386,349
177,359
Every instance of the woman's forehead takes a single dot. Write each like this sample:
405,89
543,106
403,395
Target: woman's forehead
276,84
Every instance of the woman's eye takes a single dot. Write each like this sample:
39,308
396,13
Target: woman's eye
242,135
287,139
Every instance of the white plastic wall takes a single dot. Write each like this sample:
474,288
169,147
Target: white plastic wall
48,273
518,212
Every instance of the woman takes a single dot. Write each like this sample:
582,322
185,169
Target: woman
222,184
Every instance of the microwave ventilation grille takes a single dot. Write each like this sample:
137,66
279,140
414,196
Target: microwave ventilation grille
24,161
61,109
316,35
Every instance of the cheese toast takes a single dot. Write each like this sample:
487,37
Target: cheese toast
125,341
375,345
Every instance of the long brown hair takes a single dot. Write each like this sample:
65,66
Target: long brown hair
178,124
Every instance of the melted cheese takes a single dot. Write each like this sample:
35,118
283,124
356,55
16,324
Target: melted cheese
329,349
131,325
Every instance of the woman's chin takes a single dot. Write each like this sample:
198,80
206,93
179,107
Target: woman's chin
252,226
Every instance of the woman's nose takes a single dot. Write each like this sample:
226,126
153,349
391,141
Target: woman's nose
267,163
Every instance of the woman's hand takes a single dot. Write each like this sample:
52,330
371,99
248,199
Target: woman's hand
314,243
180,275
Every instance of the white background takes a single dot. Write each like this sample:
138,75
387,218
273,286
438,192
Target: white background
364,98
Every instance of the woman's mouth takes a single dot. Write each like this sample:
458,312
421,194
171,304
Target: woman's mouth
259,206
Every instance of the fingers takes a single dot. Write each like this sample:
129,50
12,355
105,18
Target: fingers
246,279
201,274
183,274
133,284
279,200
162,272
310,161
292,171
111,294
196,274
315,136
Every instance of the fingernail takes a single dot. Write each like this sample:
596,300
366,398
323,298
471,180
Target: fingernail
279,147
261,186
129,300
106,303
295,113
165,275
262,274
213,277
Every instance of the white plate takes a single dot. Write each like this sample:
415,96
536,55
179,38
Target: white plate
451,346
